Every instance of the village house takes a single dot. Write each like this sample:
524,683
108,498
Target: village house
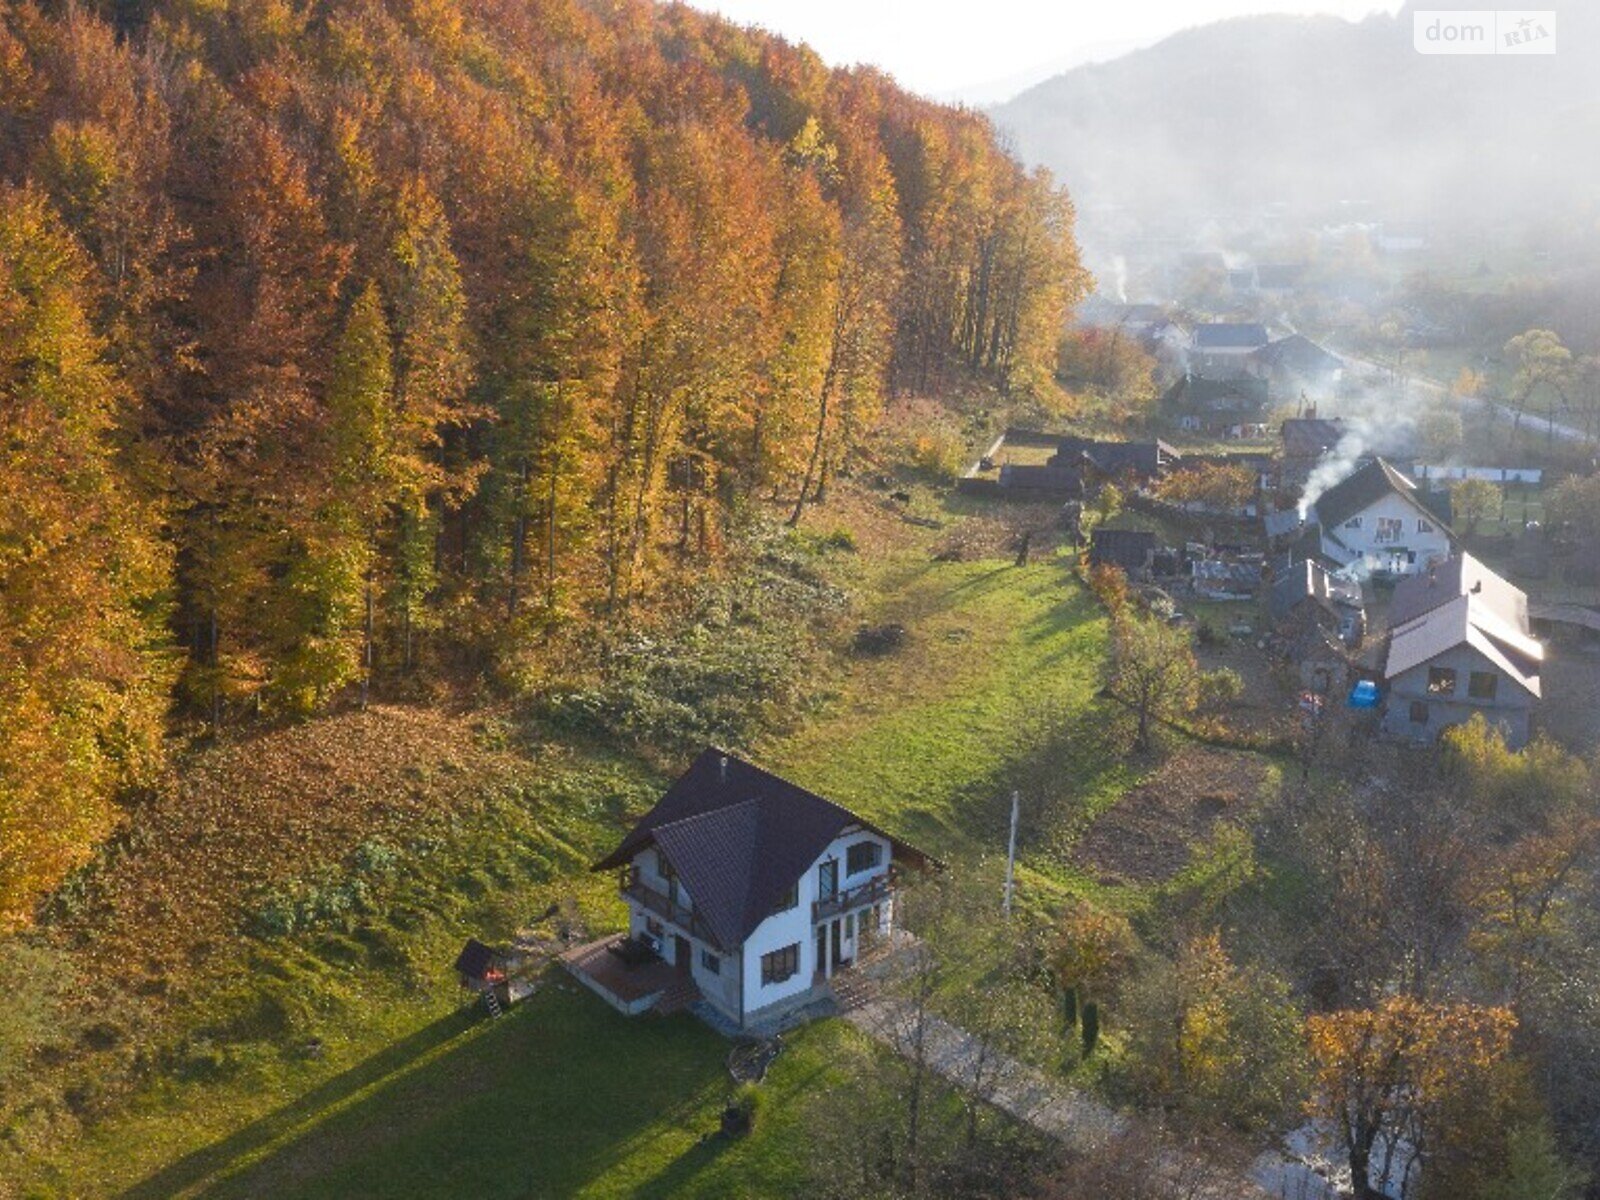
1305,440
1375,520
1222,350
1278,281
1306,594
746,892
1064,483
1131,550
1132,463
1296,364
1460,644
1233,407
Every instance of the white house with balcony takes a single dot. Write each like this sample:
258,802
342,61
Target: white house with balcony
746,892
1375,521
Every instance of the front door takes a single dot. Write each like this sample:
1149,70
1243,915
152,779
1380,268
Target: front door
822,951
681,954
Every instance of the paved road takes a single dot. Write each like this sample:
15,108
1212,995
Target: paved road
1079,1122
1505,412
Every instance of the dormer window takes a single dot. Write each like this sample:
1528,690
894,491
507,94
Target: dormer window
790,899
1353,523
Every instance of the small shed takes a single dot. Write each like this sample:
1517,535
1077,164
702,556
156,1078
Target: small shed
480,967
1130,549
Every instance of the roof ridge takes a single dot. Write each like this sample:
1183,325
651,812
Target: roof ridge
701,816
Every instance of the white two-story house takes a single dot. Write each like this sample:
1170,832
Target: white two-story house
753,888
1374,519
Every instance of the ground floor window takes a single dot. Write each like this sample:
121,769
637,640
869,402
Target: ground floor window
654,927
710,961
1419,712
780,964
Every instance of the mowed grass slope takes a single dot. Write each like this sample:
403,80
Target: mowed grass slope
920,740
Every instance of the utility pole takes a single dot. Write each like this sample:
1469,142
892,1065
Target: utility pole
1011,855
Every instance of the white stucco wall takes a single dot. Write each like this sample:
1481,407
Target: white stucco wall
782,929
1428,546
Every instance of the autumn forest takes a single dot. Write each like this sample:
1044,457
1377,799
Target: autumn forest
344,346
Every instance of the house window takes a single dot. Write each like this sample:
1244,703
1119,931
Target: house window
1390,529
710,961
1482,684
1419,712
654,928
1353,523
780,964
863,856
671,877
828,880
790,899
1424,526
1441,681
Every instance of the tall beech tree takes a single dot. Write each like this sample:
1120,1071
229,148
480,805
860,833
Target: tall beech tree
84,576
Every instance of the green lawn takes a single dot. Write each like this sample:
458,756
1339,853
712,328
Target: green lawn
563,1097
914,737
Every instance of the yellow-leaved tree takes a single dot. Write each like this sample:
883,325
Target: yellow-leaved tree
84,676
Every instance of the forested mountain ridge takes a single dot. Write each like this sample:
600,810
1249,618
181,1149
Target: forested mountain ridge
347,340
1310,112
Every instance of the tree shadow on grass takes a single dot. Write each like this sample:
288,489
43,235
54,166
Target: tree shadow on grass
540,1103
201,1165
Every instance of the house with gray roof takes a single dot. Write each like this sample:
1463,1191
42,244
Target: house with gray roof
748,889
1459,645
1306,594
1296,363
1224,407
1224,348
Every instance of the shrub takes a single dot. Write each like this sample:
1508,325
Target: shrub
740,655
1219,688
876,640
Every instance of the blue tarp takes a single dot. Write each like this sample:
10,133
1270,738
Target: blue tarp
1364,695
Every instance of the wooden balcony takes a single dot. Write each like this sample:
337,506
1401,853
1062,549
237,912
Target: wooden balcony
662,905
874,891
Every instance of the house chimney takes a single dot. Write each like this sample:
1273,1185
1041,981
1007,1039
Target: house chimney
722,768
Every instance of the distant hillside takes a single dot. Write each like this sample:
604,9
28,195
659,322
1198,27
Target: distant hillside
1316,110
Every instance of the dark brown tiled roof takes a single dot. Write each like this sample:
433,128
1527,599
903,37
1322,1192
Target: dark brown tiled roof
739,838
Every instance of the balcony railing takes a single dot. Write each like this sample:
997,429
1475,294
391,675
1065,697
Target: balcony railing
633,886
873,891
